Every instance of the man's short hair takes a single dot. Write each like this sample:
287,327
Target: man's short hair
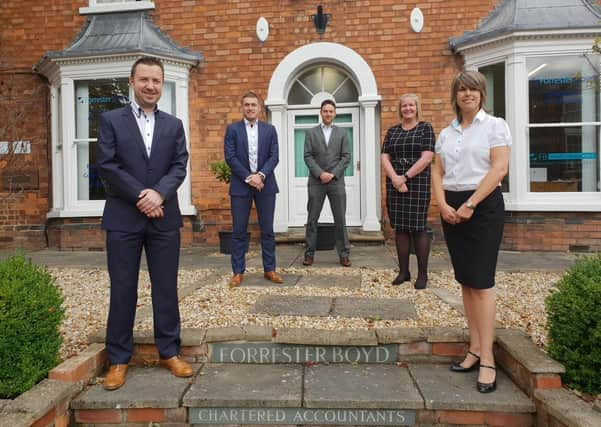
250,94
328,102
148,60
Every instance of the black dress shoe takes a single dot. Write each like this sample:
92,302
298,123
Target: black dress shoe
456,366
487,387
401,278
420,283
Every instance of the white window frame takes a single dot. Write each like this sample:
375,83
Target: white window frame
65,202
513,50
94,6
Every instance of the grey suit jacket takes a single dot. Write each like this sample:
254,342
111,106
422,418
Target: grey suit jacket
333,157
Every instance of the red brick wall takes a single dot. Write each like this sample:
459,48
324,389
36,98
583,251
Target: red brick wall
224,32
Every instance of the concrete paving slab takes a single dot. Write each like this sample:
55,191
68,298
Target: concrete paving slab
376,308
443,389
292,305
225,333
331,281
360,386
17,420
257,280
246,385
257,333
146,387
43,396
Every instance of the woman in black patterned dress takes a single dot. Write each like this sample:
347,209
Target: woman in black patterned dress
406,155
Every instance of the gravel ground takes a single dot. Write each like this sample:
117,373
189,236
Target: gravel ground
520,302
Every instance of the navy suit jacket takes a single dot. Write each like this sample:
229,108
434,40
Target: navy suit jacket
235,148
126,169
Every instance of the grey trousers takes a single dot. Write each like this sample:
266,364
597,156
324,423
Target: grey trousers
337,196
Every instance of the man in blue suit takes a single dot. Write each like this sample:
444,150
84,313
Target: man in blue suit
142,160
251,151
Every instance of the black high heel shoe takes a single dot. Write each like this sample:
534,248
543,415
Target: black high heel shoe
456,366
401,279
487,387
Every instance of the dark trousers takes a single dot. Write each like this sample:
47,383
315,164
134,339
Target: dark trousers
124,250
337,196
241,205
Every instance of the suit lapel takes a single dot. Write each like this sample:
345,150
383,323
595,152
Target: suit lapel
132,126
321,138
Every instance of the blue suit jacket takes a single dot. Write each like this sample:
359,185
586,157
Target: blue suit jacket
235,148
126,169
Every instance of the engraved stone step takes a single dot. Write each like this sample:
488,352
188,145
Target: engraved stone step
262,353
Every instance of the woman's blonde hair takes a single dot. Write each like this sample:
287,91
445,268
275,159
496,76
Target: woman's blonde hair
415,99
472,80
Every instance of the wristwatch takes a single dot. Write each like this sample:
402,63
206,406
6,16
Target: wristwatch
470,205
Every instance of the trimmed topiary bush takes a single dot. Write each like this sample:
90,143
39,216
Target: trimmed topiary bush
574,322
30,315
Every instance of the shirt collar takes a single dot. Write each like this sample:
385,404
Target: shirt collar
327,127
247,123
478,118
138,110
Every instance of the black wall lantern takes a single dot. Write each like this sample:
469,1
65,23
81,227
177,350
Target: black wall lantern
320,20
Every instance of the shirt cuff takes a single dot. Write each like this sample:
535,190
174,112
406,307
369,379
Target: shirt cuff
262,175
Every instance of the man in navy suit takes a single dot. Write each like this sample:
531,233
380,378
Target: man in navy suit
251,151
142,160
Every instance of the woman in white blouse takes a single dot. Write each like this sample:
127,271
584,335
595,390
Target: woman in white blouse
472,157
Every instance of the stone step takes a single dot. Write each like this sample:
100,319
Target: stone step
305,394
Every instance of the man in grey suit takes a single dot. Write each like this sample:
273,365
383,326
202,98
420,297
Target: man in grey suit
327,155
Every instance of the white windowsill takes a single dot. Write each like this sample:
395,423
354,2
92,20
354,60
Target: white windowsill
92,212
118,7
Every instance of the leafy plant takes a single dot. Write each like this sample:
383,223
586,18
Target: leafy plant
574,321
30,316
221,170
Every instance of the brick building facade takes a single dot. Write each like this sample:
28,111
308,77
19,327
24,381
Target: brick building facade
369,42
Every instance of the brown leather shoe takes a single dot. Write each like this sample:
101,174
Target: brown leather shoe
272,276
308,260
236,280
177,366
345,261
115,377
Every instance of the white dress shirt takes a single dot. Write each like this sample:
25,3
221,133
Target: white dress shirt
327,132
465,153
145,124
252,135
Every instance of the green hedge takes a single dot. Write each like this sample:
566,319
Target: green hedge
574,320
30,315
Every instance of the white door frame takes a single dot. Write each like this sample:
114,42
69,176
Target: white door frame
297,186
369,129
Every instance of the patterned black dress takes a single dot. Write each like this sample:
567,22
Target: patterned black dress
408,211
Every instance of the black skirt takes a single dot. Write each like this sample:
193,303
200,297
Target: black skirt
474,245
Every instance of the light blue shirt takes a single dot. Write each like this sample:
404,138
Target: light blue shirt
327,132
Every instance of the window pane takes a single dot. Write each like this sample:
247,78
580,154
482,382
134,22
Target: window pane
299,95
347,92
564,159
312,80
563,89
300,168
343,118
306,120
495,98
332,79
93,97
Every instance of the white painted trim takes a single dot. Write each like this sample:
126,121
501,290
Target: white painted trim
364,78
124,6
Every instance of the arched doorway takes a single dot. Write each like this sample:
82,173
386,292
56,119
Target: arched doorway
308,90
299,83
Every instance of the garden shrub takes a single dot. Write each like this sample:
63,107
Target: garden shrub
574,322
30,315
